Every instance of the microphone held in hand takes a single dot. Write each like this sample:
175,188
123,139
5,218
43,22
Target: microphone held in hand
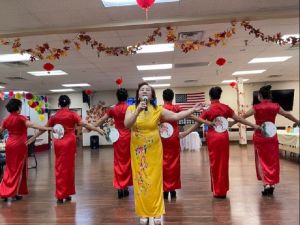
145,99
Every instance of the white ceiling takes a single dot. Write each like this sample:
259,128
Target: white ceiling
123,26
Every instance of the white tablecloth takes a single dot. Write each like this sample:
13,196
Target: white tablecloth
288,141
191,142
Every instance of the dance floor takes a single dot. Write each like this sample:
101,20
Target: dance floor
96,201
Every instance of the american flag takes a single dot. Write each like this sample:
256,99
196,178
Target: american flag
187,101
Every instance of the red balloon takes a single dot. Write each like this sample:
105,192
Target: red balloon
119,81
11,93
145,4
232,84
48,66
88,92
220,61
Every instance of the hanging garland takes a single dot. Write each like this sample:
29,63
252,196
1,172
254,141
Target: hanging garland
276,38
45,51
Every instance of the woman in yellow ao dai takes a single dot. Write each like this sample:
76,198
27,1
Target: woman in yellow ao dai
146,152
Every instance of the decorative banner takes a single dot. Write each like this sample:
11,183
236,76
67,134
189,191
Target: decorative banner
45,51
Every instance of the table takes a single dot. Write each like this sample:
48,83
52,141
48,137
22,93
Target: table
191,142
288,141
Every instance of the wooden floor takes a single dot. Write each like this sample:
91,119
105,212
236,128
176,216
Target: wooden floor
96,201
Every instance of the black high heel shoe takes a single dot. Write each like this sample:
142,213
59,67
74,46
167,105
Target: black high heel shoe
120,193
173,194
166,194
268,191
18,197
125,192
59,201
68,199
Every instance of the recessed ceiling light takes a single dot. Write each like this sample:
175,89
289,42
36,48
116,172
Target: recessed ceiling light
229,81
157,78
15,57
76,85
62,90
160,85
2,87
285,37
155,67
156,48
248,72
114,3
46,73
270,59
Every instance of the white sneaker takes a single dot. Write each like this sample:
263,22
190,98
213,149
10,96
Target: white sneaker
157,220
144,221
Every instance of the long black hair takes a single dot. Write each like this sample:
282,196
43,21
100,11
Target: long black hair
265,92
153,95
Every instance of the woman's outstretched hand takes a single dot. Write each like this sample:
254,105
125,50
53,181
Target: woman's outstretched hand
197,107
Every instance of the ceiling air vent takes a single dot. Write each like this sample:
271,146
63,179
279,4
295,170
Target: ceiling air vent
15,64
196,64
15,78
190,81
274,76
190,36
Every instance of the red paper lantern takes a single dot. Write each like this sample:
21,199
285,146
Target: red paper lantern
48,66
145,4
88,92
232,84
119,82
220,61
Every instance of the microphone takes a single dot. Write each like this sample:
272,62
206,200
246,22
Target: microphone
145,99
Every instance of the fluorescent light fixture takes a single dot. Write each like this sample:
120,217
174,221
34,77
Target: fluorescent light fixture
229,81
155,67
244,72
15,57
156,48
270,59
2,87
114,3
76,85
160,85
46,73
7,92
157,78
284,37
62,90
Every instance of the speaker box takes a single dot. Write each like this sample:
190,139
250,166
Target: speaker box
94,142
85,98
